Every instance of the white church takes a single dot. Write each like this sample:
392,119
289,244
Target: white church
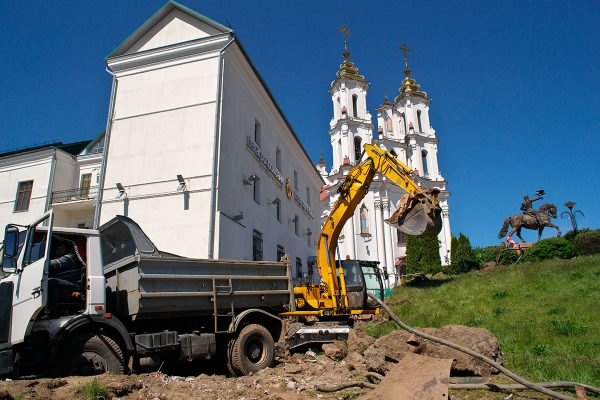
402,126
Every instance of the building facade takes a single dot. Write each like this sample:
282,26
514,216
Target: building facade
403,127
62,177
198,151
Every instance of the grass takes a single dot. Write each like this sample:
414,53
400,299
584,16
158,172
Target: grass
546,315
94,390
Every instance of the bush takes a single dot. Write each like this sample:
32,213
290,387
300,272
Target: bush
588,242
497,254
463,258
571,234
423,254
551,248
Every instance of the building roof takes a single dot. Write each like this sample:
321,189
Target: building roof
71,148
155,18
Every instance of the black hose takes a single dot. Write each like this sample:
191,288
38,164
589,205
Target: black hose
470,352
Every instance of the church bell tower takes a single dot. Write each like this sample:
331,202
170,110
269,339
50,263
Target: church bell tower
351,125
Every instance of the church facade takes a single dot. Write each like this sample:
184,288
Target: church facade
402,126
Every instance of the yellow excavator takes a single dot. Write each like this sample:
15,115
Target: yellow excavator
340,293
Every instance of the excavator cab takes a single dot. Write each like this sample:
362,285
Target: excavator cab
362,277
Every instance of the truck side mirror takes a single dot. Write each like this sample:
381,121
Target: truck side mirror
10,249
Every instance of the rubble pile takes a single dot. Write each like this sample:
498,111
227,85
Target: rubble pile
294,376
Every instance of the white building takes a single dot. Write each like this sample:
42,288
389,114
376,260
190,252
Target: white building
60,176
198,151
403,126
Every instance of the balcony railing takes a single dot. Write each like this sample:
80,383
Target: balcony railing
63,196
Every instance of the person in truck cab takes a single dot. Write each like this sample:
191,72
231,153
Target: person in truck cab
65,273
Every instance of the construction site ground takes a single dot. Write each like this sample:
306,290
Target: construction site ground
295,376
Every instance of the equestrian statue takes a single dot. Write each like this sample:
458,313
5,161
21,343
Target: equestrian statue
531,218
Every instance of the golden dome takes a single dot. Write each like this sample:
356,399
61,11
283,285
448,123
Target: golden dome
348,70
410,87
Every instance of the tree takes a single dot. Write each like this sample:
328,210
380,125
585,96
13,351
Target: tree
463,256
423,254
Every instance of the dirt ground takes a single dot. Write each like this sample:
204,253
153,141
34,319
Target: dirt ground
296,376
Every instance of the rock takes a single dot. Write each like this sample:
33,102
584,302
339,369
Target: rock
439,275
336,351
292,385
359,341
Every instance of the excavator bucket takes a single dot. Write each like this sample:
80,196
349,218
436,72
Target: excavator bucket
416,215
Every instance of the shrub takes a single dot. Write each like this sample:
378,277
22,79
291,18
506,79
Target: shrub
496,254
463,258
551,248
571,234
423,254
94,390
588,242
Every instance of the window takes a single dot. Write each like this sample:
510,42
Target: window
354,106
419,120
309,238
401,238
298,267
257,245
357,149
278,209
280,252
295,180
403,122
388,125
23,196
364,220
256,191
296,225
86,180
425,167
278,158
257,132
308,195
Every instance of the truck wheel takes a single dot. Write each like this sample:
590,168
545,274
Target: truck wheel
252,350
93,354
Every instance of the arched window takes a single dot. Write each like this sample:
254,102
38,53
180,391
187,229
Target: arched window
425,167
403,122
357,148
388,125
364,220
354,106
419,120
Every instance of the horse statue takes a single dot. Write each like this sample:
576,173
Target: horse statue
519,221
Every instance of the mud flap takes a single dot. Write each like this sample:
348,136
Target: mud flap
416,216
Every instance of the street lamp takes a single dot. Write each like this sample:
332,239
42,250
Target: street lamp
572,214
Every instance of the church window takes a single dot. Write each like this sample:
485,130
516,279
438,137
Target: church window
364,220
424,158
403,122
357,149
354,106
401,238
388,125
257,245
257,132
419,120
278,158
308,195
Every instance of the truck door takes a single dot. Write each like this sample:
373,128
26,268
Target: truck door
30,289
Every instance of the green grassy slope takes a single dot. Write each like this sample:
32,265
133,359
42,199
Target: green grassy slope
545,315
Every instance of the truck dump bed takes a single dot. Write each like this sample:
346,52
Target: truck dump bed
144,283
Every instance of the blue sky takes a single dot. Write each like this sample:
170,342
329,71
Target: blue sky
514,84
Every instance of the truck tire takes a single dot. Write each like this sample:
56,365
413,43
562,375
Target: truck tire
253,349
92,354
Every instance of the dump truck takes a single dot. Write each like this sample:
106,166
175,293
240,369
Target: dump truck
136,305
